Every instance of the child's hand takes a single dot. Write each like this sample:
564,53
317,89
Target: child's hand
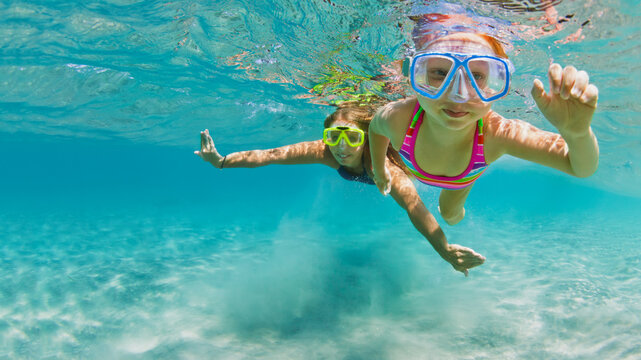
208,151
462,258
571,102
383,181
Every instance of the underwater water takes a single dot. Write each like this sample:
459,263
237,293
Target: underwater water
117,242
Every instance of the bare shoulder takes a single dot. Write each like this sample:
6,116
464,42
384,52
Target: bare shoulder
394,118
397,110
319,150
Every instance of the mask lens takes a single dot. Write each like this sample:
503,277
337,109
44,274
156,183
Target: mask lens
353,137
430,73
490,76
333,136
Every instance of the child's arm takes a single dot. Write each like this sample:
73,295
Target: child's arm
308,152
388,125
404,192
569,106
378,143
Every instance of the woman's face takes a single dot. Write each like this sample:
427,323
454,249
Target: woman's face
345,154
449,112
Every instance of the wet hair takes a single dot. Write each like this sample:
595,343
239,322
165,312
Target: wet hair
496,45
444,19
361,115
354,112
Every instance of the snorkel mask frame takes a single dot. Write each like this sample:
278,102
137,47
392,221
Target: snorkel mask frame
343,135
459,61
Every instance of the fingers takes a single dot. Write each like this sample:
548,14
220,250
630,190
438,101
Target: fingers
466,258
462,269
538,92
555,74
470,263
206,142
581,82
561,80
384,187
210,143
384,183
590,96
200,155
569,77
388,182
569,83
206,145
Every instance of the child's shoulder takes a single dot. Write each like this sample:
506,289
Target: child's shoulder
396,116
398,110
497,126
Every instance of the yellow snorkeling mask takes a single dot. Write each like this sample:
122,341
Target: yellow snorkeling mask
353,137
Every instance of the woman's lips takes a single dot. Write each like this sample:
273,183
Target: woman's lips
455,114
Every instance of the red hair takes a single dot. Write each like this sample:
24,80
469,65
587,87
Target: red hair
496,45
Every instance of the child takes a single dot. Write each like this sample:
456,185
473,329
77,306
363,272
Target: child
344,147
448,134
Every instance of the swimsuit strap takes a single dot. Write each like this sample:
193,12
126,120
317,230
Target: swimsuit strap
475,168
418,115
362,177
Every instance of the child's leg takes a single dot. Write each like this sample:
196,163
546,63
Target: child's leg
451,204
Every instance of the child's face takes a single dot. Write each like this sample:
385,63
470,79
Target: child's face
345,154
460,104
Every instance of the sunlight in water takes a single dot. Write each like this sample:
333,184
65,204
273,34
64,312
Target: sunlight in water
118,242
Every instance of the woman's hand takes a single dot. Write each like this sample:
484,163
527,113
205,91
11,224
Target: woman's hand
383,181
462,258
571,102
208,151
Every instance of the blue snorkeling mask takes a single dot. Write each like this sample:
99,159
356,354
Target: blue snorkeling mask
432,73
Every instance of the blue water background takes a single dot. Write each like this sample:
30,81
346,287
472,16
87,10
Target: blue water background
117,242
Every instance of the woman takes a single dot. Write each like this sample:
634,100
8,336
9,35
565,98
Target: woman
345,147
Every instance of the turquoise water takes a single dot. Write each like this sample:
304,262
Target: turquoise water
117,242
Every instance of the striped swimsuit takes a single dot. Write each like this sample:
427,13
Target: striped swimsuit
474,170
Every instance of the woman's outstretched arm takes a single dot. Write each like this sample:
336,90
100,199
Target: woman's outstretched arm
308,152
